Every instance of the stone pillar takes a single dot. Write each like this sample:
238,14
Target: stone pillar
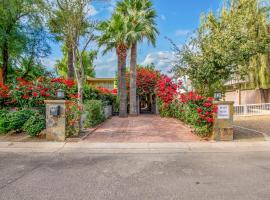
55,120
223,121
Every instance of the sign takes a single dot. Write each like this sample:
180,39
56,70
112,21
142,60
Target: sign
223,112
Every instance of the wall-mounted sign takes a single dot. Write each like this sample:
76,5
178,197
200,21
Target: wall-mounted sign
223,112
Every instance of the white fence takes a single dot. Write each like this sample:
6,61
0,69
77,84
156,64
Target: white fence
252,109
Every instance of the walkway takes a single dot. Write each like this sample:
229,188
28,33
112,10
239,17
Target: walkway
144,128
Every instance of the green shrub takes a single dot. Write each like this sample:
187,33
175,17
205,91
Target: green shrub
95,113
4,123
35,124
17,119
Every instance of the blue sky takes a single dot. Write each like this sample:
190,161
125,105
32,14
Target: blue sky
177,19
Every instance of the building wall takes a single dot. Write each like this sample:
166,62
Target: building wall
246,97
105,83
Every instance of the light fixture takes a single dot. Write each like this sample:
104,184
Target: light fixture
217,96
60,94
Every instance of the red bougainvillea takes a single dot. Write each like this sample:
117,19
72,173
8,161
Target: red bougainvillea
107,91
147,79
4,91
33,93
166,89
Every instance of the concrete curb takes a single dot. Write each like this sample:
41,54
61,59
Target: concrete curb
60,147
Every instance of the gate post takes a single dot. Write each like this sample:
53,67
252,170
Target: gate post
55,120
223,121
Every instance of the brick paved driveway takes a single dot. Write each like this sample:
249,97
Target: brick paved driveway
144,128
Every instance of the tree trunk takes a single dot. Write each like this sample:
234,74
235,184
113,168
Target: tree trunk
70,62
1,75
122,56
79,84
5,56
118,76
133,85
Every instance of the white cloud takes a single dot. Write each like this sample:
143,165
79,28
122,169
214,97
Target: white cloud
106,66
182,32
161,59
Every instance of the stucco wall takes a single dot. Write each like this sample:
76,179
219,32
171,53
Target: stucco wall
246,97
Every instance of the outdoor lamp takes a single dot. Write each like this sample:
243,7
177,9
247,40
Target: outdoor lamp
60,94
217,96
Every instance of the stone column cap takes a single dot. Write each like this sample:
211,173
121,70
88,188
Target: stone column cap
223,102
52,101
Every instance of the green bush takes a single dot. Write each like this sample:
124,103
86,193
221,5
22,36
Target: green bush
30,121
17,119
4,123
91,93
95,113
35,124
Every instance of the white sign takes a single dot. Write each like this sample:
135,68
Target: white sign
223,112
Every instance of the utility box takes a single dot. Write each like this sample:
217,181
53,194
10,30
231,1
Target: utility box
223,121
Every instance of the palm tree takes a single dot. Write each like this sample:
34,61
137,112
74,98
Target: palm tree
141,18
114,36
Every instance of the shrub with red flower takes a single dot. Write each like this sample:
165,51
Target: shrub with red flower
4,91
147,79
107,91
24,93
193,109
166,89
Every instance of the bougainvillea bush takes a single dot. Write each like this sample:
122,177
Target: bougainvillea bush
192,109
147,78
22,93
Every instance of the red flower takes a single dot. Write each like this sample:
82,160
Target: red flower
199,110
209,120
25,96
215,109
207,104
72,96
210,99
35,94
69,83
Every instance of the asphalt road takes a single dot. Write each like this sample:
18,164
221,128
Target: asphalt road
202,176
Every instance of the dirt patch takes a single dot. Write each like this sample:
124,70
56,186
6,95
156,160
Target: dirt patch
21,137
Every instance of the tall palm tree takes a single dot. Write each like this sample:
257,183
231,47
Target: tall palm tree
114,36
141,18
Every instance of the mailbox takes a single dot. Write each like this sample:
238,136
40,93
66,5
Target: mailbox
55,111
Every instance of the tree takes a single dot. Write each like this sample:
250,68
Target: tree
114,36
15,16
141,16
222,45
88,58
29,63
60,27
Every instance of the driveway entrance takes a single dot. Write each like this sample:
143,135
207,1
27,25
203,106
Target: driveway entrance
144,128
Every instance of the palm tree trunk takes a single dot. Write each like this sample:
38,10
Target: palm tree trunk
122,55
70,63
133,85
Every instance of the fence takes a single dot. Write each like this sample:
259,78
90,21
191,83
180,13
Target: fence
252,109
